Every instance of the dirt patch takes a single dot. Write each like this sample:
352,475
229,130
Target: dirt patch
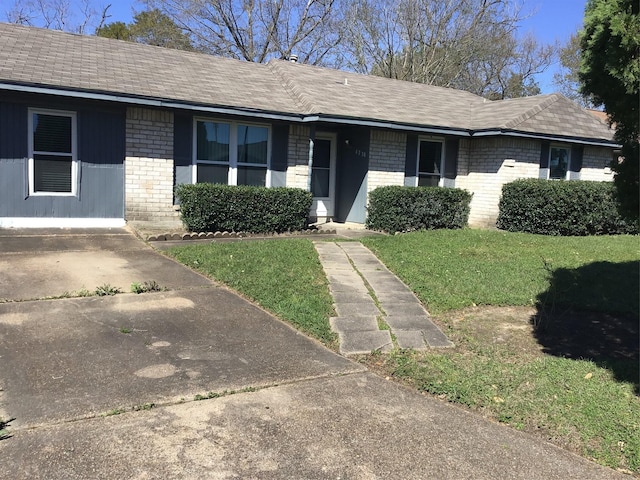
510,326
569,333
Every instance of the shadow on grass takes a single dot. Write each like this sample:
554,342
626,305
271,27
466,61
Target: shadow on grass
591,312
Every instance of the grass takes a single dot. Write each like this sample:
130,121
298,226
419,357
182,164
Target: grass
145,287
452,269
501,367
576,404
283,276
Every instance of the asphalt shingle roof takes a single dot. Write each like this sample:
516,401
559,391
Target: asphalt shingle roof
38,57
345,94
35,56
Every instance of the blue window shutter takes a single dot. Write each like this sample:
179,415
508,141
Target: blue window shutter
182,139
411,161
279,147
451,158
575,164
544,159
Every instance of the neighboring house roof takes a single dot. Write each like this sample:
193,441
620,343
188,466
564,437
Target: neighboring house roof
599,114
33,59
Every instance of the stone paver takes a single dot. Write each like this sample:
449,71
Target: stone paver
352,271
354,324
363,342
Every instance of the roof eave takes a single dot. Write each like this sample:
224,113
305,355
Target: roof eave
150,102
599,142
374,123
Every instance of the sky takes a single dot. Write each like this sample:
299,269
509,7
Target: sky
548,21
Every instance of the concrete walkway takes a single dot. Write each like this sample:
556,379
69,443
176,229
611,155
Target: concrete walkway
368,296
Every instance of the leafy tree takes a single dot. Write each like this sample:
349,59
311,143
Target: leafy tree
117,30
151,27
610,74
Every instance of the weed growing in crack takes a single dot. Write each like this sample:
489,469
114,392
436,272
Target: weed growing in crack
107,290
150,286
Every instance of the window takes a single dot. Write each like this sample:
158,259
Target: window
231,153
430,162
559,158
321,171
52,153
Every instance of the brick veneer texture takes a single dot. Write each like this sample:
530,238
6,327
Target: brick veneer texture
149,165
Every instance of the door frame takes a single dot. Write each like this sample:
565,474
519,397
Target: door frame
325,207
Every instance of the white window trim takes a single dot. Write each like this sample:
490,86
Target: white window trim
332,164
74,153
232,178
567,175
442,158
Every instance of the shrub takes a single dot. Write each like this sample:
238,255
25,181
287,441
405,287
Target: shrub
206,207
551,207
403,209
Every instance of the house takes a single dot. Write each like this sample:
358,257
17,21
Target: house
97,132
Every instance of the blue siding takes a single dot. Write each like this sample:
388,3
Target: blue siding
101,152
13,131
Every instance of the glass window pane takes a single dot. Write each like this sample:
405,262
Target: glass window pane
52,173
213,141
320,182
322,153
255,176
430,157
212,173
558,163
428,180
252,144
51,133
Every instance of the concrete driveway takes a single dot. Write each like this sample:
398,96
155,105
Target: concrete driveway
105,387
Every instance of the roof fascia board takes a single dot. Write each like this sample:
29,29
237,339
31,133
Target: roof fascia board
503,133
148,102
381,124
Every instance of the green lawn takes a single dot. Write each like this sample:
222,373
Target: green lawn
451,269
283,276
481,287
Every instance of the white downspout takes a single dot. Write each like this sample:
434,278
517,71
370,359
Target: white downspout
312,136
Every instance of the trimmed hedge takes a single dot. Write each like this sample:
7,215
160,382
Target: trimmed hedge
551,207
403,209
207,207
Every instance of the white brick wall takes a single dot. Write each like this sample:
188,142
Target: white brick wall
149,165
595,164
387,153
298,157
485,164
